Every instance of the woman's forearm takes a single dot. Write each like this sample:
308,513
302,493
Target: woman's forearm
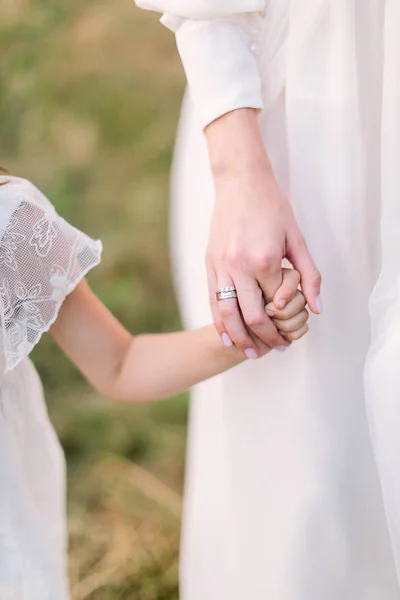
235,145
160,366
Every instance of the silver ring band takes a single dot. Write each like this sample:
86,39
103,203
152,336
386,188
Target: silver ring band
226,293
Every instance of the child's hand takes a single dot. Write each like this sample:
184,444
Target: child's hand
288,310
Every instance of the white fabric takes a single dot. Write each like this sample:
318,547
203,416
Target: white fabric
203,9
42,258
220,65
382,382
284,497
216,41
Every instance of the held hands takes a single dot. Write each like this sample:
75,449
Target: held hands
290,320
253,228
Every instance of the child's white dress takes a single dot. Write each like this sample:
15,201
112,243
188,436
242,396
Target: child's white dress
42,258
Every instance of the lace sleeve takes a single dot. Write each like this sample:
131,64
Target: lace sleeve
42,259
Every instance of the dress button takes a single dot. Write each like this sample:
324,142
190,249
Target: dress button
253,47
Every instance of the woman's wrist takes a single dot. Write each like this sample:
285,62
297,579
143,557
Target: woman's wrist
235,145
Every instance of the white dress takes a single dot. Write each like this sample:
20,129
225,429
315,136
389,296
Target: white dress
42,258
293,476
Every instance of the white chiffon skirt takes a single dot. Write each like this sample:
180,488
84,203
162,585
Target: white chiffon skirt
293,475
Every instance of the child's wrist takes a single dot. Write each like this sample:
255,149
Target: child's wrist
228,357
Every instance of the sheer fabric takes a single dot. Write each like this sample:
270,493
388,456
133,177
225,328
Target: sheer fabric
382,379
42,258
293,487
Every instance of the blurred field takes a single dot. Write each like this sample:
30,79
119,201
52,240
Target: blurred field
89,100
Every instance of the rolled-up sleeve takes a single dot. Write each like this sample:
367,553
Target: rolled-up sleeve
216,40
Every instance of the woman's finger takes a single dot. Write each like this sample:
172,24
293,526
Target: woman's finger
269,277
301,259
232,320
219,326
251,302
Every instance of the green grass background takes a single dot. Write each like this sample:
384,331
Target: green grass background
90,94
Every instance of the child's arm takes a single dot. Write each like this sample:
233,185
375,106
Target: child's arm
43,268
146,367
140,368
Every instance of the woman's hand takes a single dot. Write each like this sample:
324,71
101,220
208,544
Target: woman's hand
253,229
290,321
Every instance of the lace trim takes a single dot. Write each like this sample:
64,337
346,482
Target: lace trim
42,259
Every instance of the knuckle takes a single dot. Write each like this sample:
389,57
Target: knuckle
283,326
235,259
267,263
227,310
255,320
315,277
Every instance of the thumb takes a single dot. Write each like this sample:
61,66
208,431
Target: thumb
310,277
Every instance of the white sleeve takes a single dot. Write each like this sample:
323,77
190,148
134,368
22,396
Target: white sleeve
42,259
216,40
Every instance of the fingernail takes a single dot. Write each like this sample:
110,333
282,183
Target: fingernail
318,302
269,312
250,353
280,348
281,304
226,340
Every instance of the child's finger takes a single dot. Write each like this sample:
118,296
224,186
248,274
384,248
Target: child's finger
287,291
292,336
292,324
295,306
